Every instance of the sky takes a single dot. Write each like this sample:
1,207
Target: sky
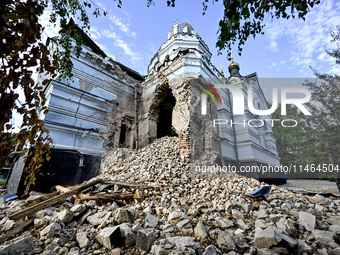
286,50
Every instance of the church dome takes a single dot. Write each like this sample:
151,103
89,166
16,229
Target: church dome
181,38
233,65
184,28
234,68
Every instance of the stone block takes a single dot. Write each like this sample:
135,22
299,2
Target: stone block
145,239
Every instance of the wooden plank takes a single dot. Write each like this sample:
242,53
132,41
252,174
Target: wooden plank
105,197
16,230
52,201
41,199
128,184
63,189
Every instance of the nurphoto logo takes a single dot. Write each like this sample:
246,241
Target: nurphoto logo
238,105
238,102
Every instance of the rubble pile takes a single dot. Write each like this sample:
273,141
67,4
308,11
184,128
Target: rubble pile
155,163
172,212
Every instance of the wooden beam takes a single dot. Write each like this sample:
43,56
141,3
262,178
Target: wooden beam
128,184
52,201
41,199
15,230
63,189
107,197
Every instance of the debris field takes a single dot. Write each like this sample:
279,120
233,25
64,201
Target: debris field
147,202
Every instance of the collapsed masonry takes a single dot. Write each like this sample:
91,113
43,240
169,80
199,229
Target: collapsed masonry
108,105
148,203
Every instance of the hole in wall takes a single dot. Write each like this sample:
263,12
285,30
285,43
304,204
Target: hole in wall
122,136
164,125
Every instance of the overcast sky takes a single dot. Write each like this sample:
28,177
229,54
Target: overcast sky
286,50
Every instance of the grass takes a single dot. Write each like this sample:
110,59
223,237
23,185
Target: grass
2,182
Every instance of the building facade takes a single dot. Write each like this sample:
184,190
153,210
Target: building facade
109,105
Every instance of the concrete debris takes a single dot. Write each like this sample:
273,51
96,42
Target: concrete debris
82,240
290,242
98,218
185,227
225,241
78,209
9,224
145,239
239,232
222,223
169,211
266,252
49,231
320,200
323,237
150,221
335,229
334,220
182,241
267,237
210,250
128,236
116,251
122,216
307,220
200,231
175,217
335,251
303,247
262,214
20,245
66,216
108,235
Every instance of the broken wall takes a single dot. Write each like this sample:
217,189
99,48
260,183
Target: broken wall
155,89
204,140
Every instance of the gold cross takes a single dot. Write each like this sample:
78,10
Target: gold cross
176,21
232,58
222,69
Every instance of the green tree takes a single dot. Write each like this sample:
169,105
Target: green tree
297,145
326,95
22,53
246,18
306,143
325,119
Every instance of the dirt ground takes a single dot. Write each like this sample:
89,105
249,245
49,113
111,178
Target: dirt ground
312,185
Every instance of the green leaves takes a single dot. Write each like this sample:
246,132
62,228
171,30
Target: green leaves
22,52
305,144
247,18
297,145
170,3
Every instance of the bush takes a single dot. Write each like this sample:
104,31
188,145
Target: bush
2,182
331,179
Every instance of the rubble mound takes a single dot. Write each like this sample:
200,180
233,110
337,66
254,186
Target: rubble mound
159,160
148,203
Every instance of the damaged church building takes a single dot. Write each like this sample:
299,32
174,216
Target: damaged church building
108,105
